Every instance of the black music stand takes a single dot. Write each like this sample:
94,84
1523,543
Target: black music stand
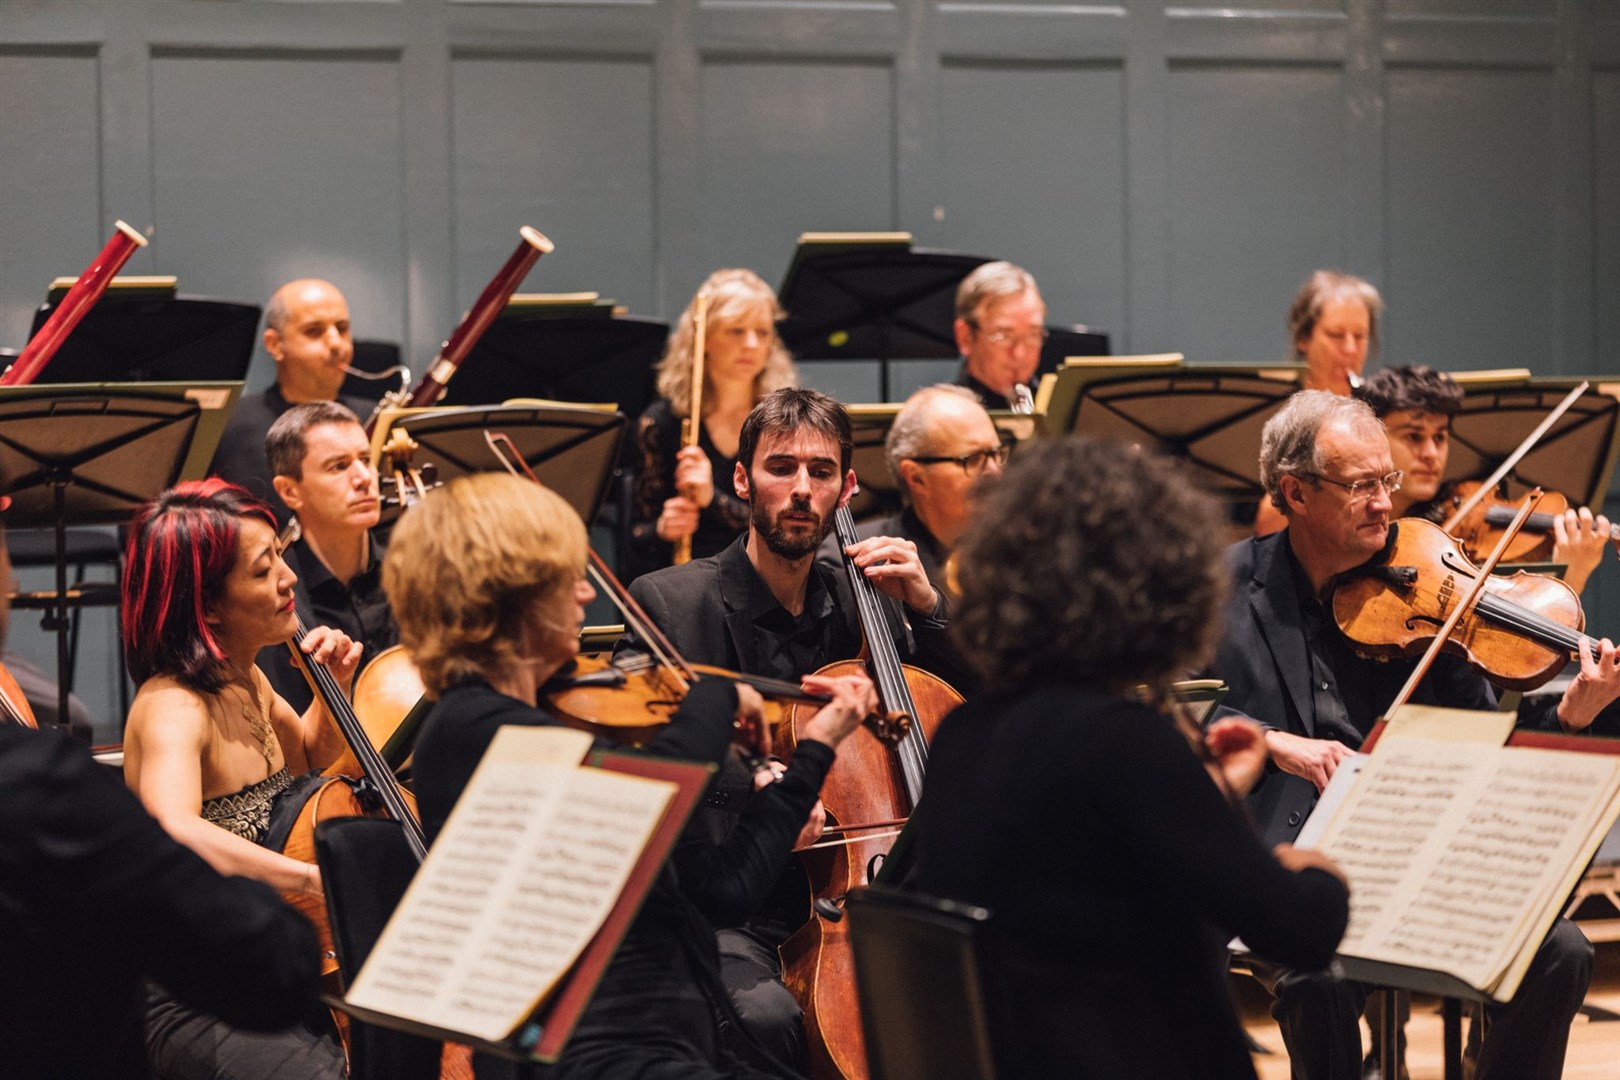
585,350
1210,416
1575,457
879,493
872,296
572,448
92,455
139,336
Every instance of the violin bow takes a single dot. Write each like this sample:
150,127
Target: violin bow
1468,600
506,451
1489,484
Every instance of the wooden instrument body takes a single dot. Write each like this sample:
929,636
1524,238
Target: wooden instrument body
14,707
864,790
1482,527
384,693
1384,617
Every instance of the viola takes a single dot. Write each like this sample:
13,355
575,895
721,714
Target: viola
1522,631
628,699
872,787
1482,526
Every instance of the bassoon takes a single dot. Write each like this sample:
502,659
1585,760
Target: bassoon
430,388
74,306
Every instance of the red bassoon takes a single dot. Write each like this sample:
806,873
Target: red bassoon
74,306
430,388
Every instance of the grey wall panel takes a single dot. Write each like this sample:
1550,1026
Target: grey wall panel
565,145
785,148
1606,216
274,166
1258,200
1001,159
50,180
1472,259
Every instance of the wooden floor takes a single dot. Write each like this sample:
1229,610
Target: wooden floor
1594,1042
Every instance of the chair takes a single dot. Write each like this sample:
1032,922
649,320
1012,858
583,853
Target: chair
903,942
365,869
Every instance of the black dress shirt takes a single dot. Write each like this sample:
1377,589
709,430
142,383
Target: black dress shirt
359,609
241,458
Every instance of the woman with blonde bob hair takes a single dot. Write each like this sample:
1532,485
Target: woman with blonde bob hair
743,360
486,576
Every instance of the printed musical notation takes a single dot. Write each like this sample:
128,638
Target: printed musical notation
523,874
1454,852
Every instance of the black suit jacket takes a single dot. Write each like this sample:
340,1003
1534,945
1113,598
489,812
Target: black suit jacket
1263,659
94,896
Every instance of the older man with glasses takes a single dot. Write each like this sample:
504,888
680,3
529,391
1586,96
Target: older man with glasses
1000,328
1326,465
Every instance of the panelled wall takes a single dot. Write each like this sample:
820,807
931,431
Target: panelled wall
1169,169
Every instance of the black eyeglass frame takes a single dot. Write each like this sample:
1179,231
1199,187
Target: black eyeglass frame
999,455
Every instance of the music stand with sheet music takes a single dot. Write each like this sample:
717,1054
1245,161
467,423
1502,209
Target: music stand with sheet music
1576,457
878,493
871,296
143,335
573,449
570,348
93,455
1210,416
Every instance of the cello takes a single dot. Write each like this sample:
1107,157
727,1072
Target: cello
334,796
875,781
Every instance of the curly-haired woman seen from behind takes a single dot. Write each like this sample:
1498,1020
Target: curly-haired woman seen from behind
1103,836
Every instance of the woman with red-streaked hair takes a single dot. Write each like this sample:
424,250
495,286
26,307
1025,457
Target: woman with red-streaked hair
209,745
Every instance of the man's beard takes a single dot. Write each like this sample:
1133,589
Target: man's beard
779,541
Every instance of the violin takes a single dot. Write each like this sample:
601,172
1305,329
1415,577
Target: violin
14,707
1522,631
1480,510
1482,525
872,787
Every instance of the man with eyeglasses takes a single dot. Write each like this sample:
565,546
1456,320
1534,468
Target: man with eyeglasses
1000,328
941,445
1325,463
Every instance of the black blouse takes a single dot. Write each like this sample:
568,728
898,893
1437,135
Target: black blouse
1115,873
658,438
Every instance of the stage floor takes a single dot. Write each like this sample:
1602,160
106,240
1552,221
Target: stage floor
1594,1042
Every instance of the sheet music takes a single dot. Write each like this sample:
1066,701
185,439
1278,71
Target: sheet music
1454,850
526,869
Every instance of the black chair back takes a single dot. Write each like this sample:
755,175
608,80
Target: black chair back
923,976
366,866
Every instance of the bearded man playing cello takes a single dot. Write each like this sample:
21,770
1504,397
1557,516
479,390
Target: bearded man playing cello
763,607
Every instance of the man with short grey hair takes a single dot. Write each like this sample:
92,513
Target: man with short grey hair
1000,328
941,444
1325,463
